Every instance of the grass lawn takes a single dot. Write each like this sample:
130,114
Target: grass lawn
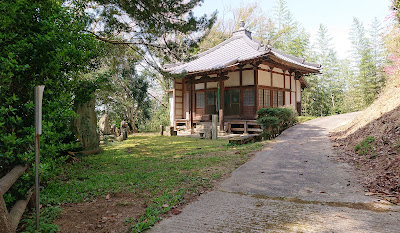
302,119
162,172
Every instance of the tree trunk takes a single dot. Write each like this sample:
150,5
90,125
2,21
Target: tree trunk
8,180
132,116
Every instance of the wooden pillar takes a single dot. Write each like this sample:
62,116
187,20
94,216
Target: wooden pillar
221,105
174,102
284,87
255,89
272,84
295,91
290,81
205,98
241,91
271,92
191,105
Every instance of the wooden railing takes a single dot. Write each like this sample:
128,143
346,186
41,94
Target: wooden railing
9,220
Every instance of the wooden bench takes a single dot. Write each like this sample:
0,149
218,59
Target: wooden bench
181,121
240,140
248,126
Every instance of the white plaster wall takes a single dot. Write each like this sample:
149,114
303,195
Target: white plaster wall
212,85
199,86
277,80
277,70
287,80
234,79
247,77
264,66
248,66
264,78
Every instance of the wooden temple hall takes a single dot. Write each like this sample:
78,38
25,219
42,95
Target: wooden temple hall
235,79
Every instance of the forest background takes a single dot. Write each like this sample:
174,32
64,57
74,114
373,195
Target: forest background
114,53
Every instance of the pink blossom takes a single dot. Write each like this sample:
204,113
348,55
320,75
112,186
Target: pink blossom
390,16
392,57
390,69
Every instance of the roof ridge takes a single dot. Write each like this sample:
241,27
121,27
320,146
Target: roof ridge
232,38
230,52
253,43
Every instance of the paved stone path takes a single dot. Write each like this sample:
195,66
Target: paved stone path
295,185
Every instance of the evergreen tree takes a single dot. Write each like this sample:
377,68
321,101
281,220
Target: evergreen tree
379,55
287,35
281,31
366,61
325,93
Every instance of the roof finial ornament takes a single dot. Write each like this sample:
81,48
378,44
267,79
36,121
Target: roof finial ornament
241,23
268,44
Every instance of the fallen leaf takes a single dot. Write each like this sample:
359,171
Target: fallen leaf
165,205
108,197
370,194
176,211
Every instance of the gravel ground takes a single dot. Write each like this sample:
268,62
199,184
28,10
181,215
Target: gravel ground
294,185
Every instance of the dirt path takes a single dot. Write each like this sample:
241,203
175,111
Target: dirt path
295,185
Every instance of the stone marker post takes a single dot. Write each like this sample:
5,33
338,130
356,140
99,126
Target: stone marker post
171,131
124,130
161,130
214,131
104,124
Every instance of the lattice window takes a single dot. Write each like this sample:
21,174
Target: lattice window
274,98
211,98
267,98
260,97
280,98
211,107
248,97
200,100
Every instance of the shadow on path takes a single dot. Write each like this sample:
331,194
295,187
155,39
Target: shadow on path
293,185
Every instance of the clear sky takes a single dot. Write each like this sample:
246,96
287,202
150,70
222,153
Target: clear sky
337,15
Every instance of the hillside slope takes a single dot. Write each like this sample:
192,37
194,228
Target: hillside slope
371,143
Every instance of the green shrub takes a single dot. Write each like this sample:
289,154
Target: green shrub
276,120
41,44
365,147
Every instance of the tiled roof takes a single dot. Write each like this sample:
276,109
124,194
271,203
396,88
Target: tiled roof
239,48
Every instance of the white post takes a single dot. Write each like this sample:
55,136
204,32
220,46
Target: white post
38,131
